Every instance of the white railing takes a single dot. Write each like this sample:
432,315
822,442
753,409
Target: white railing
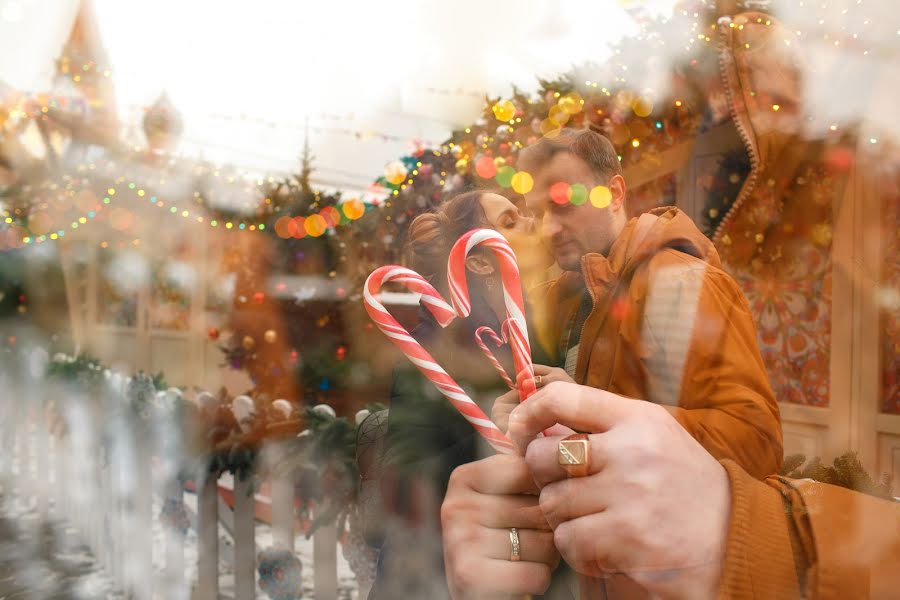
106,472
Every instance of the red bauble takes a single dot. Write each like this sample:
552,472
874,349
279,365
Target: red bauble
213,333
259,297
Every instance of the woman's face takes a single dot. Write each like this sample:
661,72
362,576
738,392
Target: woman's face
521,233
503,216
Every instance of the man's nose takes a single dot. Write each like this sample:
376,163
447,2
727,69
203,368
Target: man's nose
549,226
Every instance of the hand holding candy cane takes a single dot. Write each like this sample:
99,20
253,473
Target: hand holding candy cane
420,357
516,330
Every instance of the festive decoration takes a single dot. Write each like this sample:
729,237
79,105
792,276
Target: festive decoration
847,472
481,331
280,574
420,357
515,329
174,515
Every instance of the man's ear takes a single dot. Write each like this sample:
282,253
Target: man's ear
478,264
617,191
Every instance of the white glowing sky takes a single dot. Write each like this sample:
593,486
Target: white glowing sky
372,66
360,65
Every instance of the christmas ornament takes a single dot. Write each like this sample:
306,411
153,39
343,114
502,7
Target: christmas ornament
504,110
270,336
280,574
248,343
395,172
485,167
174,515
213,333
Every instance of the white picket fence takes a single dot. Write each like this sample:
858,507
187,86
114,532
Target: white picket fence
104,475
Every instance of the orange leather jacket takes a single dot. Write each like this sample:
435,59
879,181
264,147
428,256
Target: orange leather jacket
669,326
805,539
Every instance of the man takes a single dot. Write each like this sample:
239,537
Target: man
653,509
643,308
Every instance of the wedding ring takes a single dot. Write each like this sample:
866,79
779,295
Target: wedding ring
537,380
574,454
515,554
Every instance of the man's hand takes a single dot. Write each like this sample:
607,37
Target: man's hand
654,506
508,401
484,500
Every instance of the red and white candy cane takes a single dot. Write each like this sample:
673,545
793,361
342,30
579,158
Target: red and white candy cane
420,357
517,330
487,352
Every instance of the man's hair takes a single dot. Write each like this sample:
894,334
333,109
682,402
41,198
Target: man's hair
588,145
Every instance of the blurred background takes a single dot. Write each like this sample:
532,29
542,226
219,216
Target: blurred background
192,194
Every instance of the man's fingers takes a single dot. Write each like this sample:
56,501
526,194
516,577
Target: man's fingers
498,474
576,406
504,511
542,458
571,499
584,544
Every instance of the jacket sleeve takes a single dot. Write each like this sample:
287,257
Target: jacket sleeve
801,538
704,364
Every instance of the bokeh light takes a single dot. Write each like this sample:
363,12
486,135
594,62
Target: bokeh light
522,182
560,192
600,196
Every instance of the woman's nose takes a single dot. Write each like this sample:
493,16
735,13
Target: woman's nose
528,224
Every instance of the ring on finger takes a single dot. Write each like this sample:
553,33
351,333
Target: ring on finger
515,554
574,454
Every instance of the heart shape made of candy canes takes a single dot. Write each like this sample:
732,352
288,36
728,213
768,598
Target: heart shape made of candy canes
421,358
498,341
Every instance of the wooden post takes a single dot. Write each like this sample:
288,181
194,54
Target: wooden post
42,460
282,501
174,574
207,539
141,555
244,540
7,428
325,562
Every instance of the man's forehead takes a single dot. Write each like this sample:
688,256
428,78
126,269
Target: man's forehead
562,166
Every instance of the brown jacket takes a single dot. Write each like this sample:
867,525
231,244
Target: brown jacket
804,539
669,326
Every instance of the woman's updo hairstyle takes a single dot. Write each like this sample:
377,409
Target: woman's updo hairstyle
431,235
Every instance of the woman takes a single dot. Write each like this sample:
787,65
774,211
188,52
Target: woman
427,437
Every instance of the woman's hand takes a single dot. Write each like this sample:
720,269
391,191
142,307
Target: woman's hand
543,375
484,500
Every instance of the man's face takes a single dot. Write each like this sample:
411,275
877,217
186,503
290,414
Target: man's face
570,231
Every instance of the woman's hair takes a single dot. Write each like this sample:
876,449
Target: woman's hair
432,235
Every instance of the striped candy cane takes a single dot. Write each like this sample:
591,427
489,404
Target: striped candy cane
516,330
487,352
420,357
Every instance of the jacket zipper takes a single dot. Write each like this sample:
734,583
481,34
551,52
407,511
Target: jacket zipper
742,131
587,285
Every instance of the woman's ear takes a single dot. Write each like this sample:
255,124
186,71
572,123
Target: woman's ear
479,265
